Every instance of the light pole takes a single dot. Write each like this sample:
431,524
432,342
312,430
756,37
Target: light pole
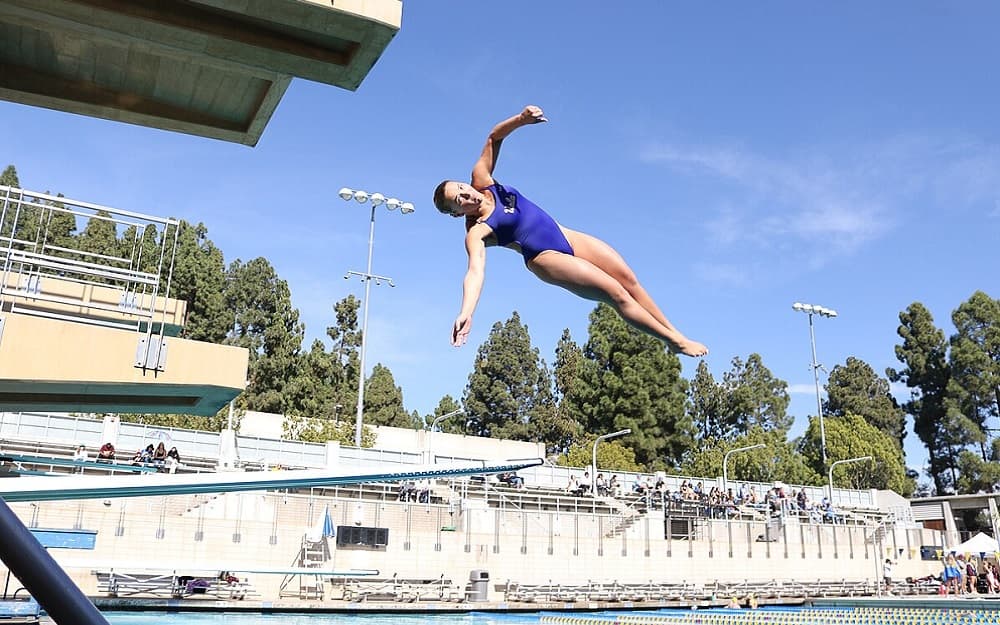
835,463
725,462
430,433
376,199
593,458
812,309
445,416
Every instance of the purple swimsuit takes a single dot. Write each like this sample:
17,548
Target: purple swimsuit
516,219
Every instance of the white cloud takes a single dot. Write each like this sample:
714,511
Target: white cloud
807,200
801,389
722,273
823,203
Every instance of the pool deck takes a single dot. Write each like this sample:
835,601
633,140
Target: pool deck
112,604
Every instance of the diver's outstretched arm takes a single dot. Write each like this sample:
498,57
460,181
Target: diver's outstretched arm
482,171
472,285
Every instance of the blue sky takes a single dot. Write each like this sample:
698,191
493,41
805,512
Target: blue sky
741,156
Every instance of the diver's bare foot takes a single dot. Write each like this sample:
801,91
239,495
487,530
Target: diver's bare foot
688,348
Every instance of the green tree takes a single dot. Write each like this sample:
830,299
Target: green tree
855,388
268,326
977,475
509,387
9,179
852,436
198,279
454,424
778,460
754,397
566,376
974,362
923,352
99,237
612,455
628,380
311,391
707,404
299,428
384,401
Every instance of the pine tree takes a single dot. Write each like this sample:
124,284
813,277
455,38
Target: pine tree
855,388
974,362
923,352
198,278
628,380
384,401
509,389
754,397
269,327
707,405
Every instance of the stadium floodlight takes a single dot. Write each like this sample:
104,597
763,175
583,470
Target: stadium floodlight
376,200
812,309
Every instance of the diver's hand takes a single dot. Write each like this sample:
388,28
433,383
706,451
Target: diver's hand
533,115
460,331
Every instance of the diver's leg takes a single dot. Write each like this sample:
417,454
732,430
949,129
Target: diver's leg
587,280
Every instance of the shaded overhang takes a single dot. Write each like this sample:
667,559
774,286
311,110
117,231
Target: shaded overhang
212,68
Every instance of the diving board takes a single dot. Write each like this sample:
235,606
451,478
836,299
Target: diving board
51,488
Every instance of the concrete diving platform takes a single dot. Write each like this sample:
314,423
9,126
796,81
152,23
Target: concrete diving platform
212,68
89,331
49,364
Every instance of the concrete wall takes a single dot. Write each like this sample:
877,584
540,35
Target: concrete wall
264,530
268,425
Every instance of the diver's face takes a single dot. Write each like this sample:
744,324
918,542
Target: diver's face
464,199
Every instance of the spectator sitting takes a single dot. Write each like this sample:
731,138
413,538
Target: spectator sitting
80,455
160,455
106,453
600,486
173,460
407,491
802,499
514,480
614,487
578,488
424,491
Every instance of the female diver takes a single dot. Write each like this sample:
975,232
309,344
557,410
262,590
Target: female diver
497,214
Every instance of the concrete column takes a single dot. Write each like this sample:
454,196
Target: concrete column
951,537
229,455
994,515
111,426
332,454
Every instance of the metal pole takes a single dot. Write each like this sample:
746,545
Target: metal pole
819,402
835,463
593,463
364,334
430,434
64,602
725,462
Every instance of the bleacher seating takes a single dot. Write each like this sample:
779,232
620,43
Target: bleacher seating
47,457
396,588
171,584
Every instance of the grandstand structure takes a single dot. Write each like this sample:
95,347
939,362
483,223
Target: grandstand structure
536,544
